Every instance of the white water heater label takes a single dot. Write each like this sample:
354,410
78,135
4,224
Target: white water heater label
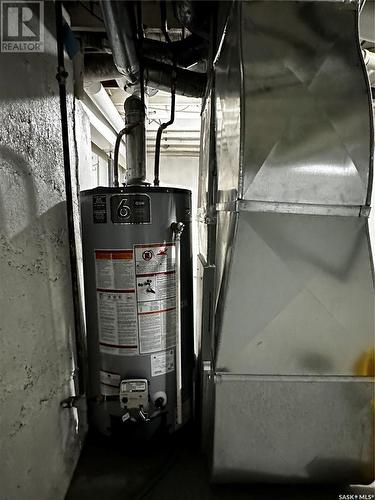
109,383
154,258
162,362
116,300
117,322
156,296
114,269
157,325
156,286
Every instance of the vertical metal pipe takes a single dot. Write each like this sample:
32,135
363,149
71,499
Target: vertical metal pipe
61,78
125,131
162,127
116,155
177,228
119,22
110,170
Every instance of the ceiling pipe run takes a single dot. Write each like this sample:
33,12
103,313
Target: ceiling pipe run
187,52
188,83
103,102
119,21
100,67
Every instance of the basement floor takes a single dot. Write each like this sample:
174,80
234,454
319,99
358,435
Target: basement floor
174,470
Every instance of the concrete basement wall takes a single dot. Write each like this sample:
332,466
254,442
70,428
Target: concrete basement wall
39,442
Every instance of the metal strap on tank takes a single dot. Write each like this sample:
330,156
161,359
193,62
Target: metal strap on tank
177,228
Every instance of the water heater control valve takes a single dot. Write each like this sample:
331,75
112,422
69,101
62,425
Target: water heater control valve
134,394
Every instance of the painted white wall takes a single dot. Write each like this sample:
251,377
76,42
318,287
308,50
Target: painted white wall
179,171
88,173
94,173
39,445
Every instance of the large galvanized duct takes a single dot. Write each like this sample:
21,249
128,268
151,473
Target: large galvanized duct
287,387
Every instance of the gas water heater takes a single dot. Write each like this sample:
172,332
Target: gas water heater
138,290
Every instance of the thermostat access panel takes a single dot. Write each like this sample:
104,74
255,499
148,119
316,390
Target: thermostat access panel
131,209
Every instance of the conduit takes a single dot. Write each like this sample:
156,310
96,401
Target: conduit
61,78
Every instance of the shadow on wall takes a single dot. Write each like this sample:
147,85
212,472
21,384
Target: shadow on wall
36,312
36,323
17,165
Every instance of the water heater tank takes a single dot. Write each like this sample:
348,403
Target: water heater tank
138,291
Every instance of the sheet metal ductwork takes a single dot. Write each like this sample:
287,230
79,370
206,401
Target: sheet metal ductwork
288,309
157,59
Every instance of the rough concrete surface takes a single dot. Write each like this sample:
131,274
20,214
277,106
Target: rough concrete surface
39,442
